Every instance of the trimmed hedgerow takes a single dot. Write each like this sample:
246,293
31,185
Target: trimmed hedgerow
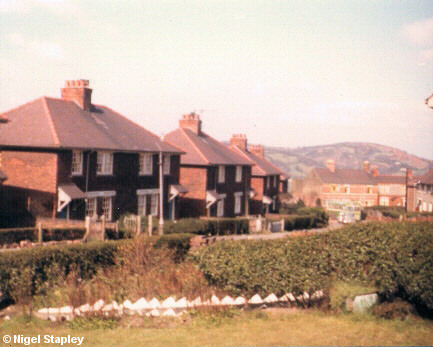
394,257
180,243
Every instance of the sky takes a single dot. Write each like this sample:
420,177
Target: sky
285,73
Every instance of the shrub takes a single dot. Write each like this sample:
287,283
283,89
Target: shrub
398,309
9,236
179,243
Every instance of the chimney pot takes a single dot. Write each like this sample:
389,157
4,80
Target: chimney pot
366,166
191,121
79,92
330,164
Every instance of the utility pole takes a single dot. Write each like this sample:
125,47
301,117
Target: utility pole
161,191
405,201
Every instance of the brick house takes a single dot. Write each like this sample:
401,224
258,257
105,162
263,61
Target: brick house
69,158
217,179
420,193
265,176
391,188
340,186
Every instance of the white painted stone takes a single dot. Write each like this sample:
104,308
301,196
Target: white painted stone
284,298
66,310
195,303
53,310
256,299
181,303
43,310
227,300
154,313
168,303
362,303
154,303
85,308
98,305
215,301
77,312
271,298
291,297
107,308
127,304
240,301
305,296
140,304
169,313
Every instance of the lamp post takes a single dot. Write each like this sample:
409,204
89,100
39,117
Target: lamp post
161,190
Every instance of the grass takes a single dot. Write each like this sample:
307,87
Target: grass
239,328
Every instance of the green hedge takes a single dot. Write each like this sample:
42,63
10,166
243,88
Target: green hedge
303,222
9,236
179,242
395,257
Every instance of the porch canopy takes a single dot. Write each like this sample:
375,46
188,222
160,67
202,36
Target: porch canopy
267,200
67,193
212,197
177,189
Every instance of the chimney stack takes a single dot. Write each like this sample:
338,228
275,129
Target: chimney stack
375,171
330,164
79,92
239,140
366,166
409,174
191,121
258,150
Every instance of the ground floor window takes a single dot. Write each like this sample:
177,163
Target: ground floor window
91,207
220,208
142,200
154,204
238,202
384,201
107,207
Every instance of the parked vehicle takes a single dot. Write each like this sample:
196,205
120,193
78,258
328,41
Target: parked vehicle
347,217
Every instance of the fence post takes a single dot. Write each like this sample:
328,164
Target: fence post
150,222
86,236
282,224
102,228
138,225
40,238
117,229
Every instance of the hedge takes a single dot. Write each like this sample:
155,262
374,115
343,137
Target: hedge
303,222
9,236
395,257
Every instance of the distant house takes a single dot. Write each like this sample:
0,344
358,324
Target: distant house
71,158
420,193
265,176
392,188
335,187
217,178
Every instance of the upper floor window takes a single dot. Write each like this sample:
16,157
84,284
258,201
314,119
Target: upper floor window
269,182
77,163
221,174
238,173
369,190
104,163
275,181
347,189
146,164
166,164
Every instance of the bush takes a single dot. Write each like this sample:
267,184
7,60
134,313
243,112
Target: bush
398,309
394,257
9,236
179,243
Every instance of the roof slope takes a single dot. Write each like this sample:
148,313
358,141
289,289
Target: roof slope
345,176
56,123
203,149
262,167
396,179
427,178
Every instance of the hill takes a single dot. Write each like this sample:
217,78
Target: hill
299,161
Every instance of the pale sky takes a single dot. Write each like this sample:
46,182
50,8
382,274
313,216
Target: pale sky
286,73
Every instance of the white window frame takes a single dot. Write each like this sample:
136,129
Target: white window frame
274,202
221,173
347,189
91,207
424,206
275,181
107,207
430,207
238,173
268,184
384,201
238,202
166,164
104,163
154,204
77,163
220,208
141,204
145,164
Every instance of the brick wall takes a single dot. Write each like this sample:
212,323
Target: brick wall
193,203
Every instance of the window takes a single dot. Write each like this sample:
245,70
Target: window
333,188
274,203
142,205
347,190
424,206
154,204
77,163
238,173
221,174
369,190
166,164
106,207
91,207
384,201
104,163
146,164
430,207
220,208
238,202
269,182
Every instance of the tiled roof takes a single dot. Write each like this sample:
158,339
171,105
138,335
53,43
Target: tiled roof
396,179
262,167
427,178
56,123
345,176
202,149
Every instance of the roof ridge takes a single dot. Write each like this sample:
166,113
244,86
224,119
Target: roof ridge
194,145
51,122
249,159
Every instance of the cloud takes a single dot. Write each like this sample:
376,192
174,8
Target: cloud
425,57
419,32
15,39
